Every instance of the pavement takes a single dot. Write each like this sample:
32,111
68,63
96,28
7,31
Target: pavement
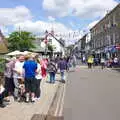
25,111
92,94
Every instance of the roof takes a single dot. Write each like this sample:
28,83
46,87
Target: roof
3,48
60,40
3,44
106,16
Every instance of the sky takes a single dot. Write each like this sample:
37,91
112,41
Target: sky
66,17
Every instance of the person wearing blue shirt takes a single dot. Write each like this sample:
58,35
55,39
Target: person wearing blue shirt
30,67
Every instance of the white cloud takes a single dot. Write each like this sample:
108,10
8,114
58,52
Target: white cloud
57,7
60,29
92,24
10,16
81,8
50,18
72,24
4,30
41,26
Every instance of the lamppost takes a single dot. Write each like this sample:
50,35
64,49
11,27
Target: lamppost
46,41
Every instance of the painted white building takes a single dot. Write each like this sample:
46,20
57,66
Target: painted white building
57,43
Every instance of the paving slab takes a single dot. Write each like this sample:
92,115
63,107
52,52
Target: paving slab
25,111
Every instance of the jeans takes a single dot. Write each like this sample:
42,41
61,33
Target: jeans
16,83
62,75
52,77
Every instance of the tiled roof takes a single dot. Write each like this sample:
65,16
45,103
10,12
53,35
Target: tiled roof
3,44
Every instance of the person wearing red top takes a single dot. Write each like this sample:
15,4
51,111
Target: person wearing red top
44,63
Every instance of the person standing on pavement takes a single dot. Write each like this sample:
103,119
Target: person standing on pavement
90,61
30,67
74,61
68,63
44,67
52,70
8,77
2,94
18,70
38,79
102,63
62,65
115,61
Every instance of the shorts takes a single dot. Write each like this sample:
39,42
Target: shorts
30,85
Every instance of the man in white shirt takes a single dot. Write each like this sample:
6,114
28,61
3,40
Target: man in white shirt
18,74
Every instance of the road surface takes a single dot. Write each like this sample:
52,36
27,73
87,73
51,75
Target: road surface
92,95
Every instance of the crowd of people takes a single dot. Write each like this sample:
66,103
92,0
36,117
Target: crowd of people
23,75
102,61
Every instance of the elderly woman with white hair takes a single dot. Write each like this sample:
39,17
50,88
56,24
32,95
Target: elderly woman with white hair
18,74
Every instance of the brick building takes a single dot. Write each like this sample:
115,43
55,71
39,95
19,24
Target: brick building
105,35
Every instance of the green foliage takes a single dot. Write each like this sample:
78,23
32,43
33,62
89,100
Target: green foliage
50,48
20,41
2,65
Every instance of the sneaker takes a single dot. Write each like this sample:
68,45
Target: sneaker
27,100
38,99
33,100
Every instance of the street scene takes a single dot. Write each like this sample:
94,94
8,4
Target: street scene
60,60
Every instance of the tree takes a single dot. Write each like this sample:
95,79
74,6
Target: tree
50,48
20,41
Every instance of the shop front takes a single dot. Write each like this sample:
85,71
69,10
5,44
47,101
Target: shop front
110,51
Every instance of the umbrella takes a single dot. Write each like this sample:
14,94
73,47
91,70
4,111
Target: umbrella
14,53
26,52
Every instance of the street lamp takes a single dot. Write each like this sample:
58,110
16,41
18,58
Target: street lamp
46,41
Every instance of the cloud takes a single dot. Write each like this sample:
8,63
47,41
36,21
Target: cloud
41,26
92,24
81,8
50,18
57,7
10,16
72,24
4,30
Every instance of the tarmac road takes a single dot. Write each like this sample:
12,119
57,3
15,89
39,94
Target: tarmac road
92,95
